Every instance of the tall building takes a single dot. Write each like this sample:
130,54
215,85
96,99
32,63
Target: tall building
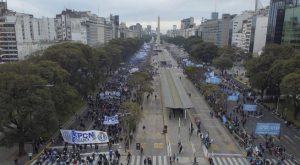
217,31
187,23
214,15
291,27
276,19
241,30
3,7
46,29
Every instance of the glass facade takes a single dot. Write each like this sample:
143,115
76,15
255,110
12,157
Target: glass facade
291,27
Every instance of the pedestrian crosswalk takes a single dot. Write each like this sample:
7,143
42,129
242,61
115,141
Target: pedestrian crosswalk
227,160
134,160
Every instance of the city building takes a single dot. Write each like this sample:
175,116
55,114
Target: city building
126,32
276,19
46,29
214,15
187,23
241,30
217,31
249,30
86,28
291,27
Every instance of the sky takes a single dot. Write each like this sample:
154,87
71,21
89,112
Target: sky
141,11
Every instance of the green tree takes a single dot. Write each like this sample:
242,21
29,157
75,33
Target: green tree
290,86
222,63
24,104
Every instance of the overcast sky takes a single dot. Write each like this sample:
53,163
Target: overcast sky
142,11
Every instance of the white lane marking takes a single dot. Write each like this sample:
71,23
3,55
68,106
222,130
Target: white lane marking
226,154
154,160
132,160
169,149
219,160
288,138
235,161
229,160
165,160
286,162
193,147
214,160
297,137
245,161
159,160
205,151
224,161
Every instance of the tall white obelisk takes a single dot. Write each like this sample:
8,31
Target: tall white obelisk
158,31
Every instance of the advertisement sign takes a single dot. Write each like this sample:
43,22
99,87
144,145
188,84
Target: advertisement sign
249,107
267,128
111,120
84,137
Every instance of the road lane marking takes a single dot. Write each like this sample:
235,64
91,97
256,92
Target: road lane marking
297,137
219,160
132,160
193,147
226,154
205,151
229,160
288,138
154,160
165,160
159,160
138,160
158,145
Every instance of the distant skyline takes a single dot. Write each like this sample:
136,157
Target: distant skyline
138,11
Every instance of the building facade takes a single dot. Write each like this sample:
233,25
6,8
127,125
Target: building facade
187,23
291,27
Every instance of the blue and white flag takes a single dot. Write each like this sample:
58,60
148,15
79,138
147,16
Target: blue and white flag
111,120
213,80
233,97
84,137
267,128
249,107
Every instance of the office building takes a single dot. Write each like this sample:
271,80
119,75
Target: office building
214,15
276,19
291,27
187,23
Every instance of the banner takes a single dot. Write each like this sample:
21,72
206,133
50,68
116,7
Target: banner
249,107
84,137
111,120
213,80
268,128
233,97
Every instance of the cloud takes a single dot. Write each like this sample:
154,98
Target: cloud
132,11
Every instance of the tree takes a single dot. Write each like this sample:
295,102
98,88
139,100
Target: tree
290,86
222,63
24,107
204,52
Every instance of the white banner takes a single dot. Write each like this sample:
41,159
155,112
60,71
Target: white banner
111,120
84,137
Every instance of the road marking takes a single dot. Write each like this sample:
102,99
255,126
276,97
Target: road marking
159,160
288,138
138,160
132,160
165,160
219,160
158,145
205,151
169,149
154,160
193,147
226,154
229,160
297,137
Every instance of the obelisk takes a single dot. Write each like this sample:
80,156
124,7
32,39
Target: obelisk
158,31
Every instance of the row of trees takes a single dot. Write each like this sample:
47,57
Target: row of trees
207,52
38,93
277,71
